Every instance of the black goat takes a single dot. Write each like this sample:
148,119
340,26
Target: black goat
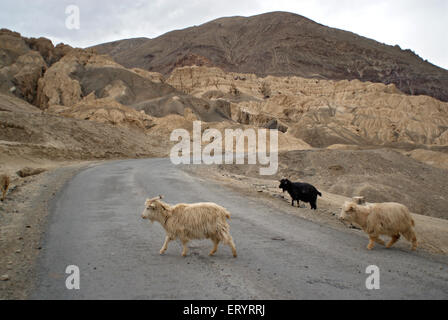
301,192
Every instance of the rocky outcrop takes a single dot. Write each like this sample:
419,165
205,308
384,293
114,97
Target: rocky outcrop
47,50
81,74
12,46
323,112
57,87
23,61
108,111
22,76
191,59
153,76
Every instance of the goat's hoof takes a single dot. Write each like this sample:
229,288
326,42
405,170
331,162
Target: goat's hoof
161,252
211,254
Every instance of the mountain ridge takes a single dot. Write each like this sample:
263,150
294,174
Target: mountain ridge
282,44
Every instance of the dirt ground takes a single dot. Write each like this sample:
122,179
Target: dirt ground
22,224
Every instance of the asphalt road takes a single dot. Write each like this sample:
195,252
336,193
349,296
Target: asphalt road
95,224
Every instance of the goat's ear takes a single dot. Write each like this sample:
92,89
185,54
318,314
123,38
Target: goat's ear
164,206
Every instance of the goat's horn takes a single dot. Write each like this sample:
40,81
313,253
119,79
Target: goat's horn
160,197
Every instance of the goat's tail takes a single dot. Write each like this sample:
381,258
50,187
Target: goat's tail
320,194
227,214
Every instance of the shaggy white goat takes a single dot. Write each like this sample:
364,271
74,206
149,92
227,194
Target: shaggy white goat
391,219
190,221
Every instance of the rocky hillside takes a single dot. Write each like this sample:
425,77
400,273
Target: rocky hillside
322,113
62,82
27,133
23,61
62,103
283,44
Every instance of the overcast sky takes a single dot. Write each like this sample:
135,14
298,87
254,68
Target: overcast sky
421,26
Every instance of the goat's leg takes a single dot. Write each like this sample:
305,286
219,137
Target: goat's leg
165,244
215,247
184,248
371,243
229,241
410,236
392,241
3,194
313,203
372,240
298,203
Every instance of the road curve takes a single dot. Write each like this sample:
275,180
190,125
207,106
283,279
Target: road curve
95,224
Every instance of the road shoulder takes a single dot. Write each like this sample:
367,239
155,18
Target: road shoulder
23,221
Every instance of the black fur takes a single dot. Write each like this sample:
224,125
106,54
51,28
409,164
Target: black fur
301,192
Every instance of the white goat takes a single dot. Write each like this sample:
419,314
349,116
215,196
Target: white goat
391,219
190,221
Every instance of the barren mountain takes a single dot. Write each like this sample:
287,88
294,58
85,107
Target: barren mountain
283,44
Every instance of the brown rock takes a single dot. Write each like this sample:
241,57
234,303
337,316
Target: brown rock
4,277
324,113
27,172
